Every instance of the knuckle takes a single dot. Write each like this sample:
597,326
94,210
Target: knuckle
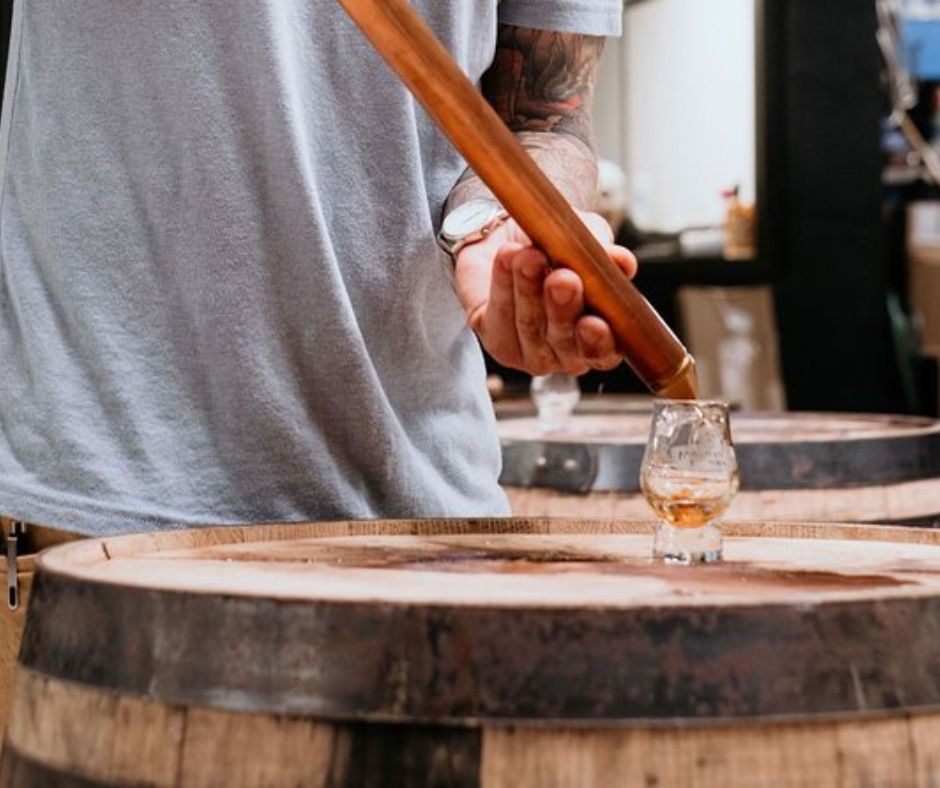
564,330
503,313
599,351
575,368
530,326
503,349
499,351
568,356
563,344
542,365
591,353
534,368
529,292
606,362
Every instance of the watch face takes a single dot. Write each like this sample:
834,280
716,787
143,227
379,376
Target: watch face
469,218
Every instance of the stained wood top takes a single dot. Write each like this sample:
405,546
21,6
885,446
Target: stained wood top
747,428
577,565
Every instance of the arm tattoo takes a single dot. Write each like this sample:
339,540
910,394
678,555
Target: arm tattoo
544,81
541,84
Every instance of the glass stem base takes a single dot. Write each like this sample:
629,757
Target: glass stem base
687,546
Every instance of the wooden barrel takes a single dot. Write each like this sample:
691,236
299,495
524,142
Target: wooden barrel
503,653
794,466
13,613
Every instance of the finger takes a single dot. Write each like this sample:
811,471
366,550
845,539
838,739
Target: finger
597,344
496,325
530,268
624,259
564,304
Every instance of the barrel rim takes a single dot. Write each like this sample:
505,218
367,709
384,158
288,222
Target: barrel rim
563,465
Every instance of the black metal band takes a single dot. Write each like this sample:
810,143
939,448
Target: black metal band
809,465
386,662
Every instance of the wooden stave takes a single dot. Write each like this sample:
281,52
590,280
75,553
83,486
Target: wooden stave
197,747
332,696
908,504
588,466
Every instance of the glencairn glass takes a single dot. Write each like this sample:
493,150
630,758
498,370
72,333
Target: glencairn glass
689,476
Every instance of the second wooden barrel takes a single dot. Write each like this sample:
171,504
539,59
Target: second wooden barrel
505,654
794,466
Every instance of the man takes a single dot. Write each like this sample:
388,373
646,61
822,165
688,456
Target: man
223,299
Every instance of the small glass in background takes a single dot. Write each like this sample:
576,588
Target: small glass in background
689,477
555,396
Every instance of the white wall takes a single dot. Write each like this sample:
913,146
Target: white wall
610,104
676,108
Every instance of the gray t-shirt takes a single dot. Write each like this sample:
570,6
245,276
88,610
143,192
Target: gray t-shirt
221,299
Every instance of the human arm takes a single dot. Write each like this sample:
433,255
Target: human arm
541,83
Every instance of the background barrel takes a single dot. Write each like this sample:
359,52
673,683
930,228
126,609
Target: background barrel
518,653
794,466
13,611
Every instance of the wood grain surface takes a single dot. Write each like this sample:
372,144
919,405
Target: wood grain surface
575,570
70,734
207,748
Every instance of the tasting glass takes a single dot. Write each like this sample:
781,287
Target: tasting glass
689,476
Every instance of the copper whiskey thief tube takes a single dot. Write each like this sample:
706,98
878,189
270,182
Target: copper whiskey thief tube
471,124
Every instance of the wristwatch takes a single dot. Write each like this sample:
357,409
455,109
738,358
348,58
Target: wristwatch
470,222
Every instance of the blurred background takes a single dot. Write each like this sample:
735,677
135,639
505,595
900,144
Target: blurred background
758,157
774,165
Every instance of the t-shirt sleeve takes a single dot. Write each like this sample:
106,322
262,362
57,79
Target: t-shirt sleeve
590,17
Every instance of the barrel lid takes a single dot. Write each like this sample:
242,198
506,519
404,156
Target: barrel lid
513,620
493,564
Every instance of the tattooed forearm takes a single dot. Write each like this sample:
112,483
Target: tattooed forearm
568,162
544,81
542,85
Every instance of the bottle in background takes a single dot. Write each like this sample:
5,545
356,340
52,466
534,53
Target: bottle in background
740,227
